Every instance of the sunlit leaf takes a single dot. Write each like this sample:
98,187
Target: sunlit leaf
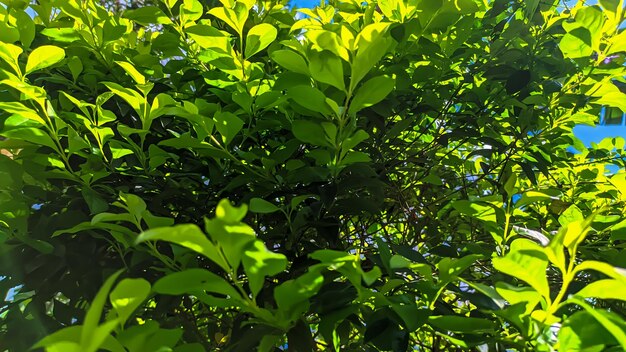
127,296
132,71
193,281
44,56
188,236
259,37
526,261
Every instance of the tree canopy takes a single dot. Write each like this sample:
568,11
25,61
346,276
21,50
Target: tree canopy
362,176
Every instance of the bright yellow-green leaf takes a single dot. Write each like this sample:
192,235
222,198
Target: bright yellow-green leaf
26,26
259,37
190,11
22,111
188,236
259,262
192,281
604,268
527,262
9,53
372,44
44,56
604,289
326,67
327,40
132,72
235,18
210,37
519,294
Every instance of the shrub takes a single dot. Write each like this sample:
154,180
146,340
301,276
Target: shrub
405,176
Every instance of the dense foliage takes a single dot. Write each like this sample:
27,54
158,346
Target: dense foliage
385,175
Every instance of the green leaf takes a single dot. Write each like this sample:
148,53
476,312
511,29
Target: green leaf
132,72
26,26
530,197
188,236
95,311
371,92
398,262
384,333
210,37
37,94
228,125
229,214
232,239
326,67
372,44
261,206
576,44
604,289
610,5
528,262
10,53
290,60
617,44
131,96
581,331
519,294
476,210
327,40
44,56
75,66
69,336
234,18
259,37
190,11
604,268
134,204
310,132
22,111
310,98
193,281
147,15
354,140
67,339
99,336
536,235
127,296
531,8
574,232
583,35
570,215
259,262
412,316
610,321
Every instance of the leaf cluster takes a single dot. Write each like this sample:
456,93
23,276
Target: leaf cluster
380,175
